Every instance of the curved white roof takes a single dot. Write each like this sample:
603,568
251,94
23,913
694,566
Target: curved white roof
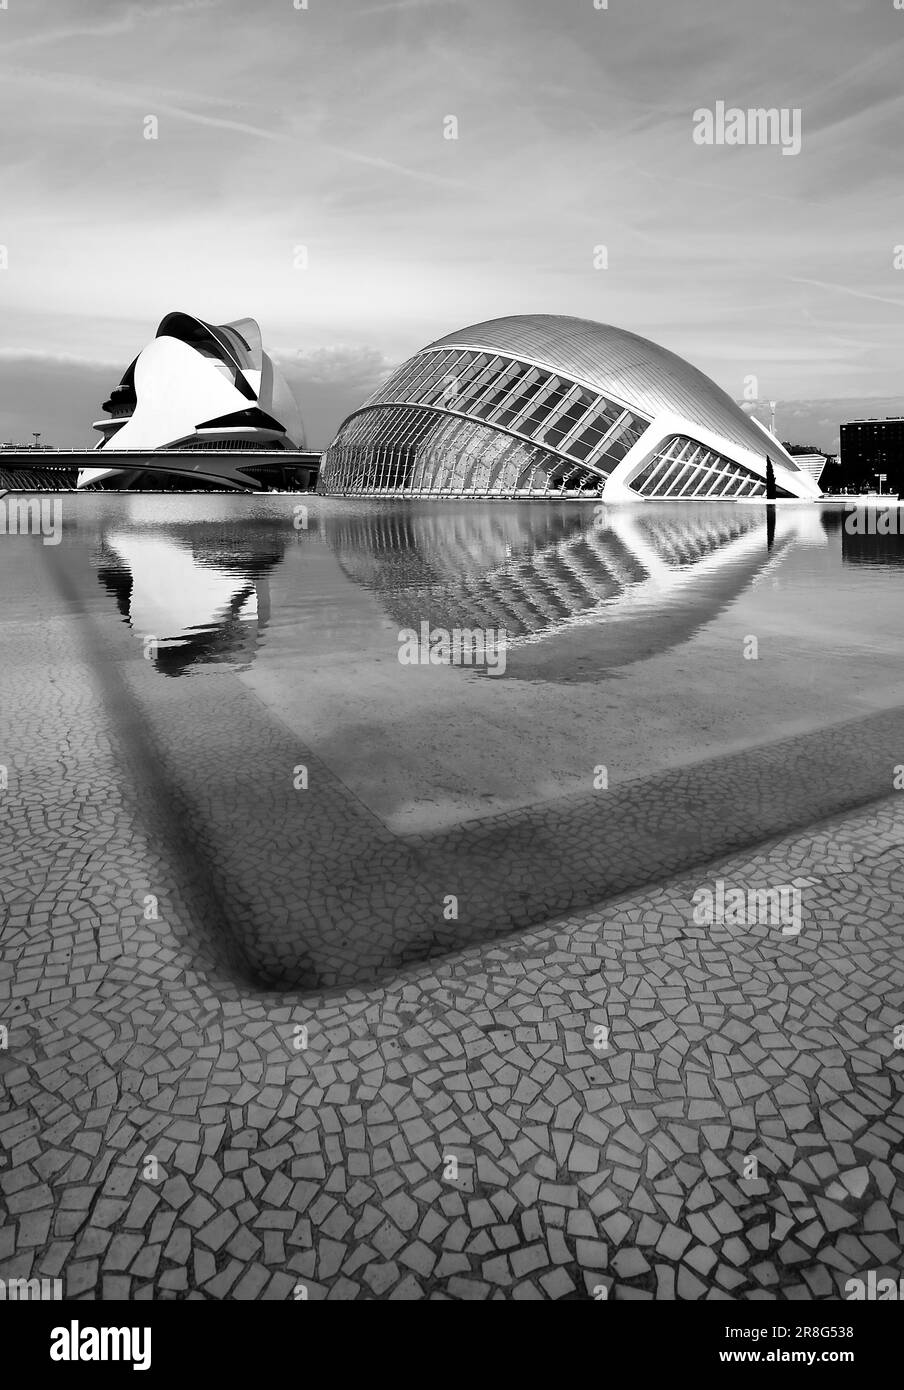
193,373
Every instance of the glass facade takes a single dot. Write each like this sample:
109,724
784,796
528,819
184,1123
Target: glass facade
684,468
38,480
461,421
228,446
419,452
615,362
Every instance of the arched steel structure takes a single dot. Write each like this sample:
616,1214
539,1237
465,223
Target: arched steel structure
545,405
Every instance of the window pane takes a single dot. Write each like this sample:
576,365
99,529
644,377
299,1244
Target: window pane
442,379
527,390
506,383
478,384
422,386
544,409
554,433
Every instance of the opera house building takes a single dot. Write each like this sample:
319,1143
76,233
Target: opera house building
193,402
542,405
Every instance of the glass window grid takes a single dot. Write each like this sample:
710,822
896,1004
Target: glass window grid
594,439
524,391
426,372
702,482
601,418
515,402
579,449
593,416
410,389
426,382
672,471
660,464
705,474
501,389
462,380
439,365
434,369
396,458
615,447
478,388
559,426
642,477
700,479
548,409
398,385
712,478
723,483
592,434
539,406
487,382
401,388
664,468
700,470
681,478
387,450
720,481
432,390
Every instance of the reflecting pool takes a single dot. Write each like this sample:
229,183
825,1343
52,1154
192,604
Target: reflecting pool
670,682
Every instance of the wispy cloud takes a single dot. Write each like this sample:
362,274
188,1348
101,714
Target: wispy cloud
325,127
390,6
390,166
123,22
847,289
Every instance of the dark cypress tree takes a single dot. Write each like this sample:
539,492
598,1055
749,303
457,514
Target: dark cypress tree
770,480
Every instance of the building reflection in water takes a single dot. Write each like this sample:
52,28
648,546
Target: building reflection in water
649,577
872,536
539,573
199,592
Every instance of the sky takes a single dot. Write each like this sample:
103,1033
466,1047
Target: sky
302,176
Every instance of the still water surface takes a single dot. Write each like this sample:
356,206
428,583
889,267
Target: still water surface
678,681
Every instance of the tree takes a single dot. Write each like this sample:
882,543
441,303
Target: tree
771,492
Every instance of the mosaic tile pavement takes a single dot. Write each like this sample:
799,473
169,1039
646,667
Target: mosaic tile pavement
563,1111
328,1166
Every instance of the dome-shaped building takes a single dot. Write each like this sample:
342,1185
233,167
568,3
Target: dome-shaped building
546,405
